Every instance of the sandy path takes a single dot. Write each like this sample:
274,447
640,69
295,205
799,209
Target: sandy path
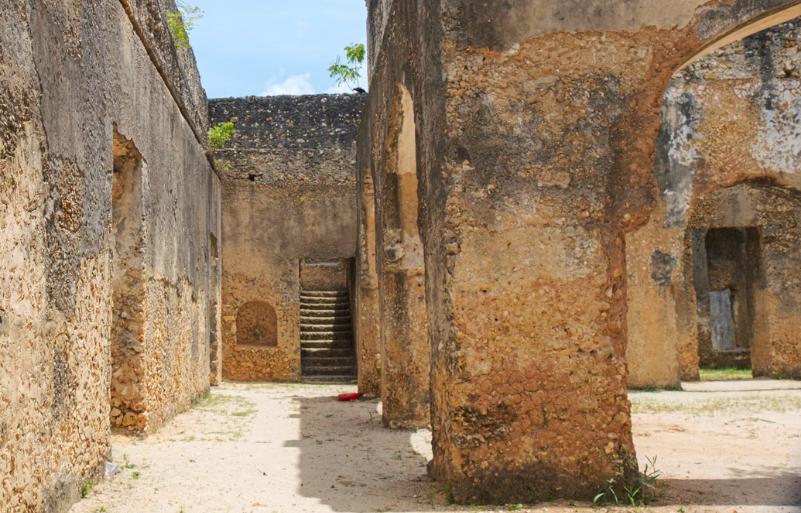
722,448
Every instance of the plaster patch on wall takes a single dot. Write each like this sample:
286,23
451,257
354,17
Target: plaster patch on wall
778,147
662,267
677,156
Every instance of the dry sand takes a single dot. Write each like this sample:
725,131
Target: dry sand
721,447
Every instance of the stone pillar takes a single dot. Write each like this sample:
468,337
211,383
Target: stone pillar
537,123
405,385
654,277
368,334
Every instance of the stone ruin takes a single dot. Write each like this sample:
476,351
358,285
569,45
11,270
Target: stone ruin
529,213
289,229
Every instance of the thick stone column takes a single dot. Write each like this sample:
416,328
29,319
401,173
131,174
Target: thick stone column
553,110
405,385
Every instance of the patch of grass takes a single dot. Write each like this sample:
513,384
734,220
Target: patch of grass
136,474
101,509
126,463
86,489
750,403
639,493
726,374
447,491
514,507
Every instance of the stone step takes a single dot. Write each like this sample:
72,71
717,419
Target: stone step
324,352
313,310
323,301
330,380
324,327
328,361
324,293
319,310
325,306
340,370
326,335
325,318
326,344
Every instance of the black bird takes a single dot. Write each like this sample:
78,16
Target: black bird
359,90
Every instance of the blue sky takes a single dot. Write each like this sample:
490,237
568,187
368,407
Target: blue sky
257,47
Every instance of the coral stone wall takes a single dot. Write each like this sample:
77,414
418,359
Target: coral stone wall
537,127
289,193
71,74
727,119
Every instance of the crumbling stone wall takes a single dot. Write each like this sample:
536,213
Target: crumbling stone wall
71,73
532,172
727,119
289,193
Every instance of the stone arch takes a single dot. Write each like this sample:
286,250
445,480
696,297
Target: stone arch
763,18
711,138
546,179
257,325
404,326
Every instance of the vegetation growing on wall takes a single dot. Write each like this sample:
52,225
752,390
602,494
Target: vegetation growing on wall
349,72
220,134
182,22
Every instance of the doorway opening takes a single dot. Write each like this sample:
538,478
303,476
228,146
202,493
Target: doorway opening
327,351
727,269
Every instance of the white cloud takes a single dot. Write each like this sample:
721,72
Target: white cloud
293,84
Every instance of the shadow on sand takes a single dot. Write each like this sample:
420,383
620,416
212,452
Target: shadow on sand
780,489
351,463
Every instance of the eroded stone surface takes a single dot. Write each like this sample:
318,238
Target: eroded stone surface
537,131
289,194
71,73
721,120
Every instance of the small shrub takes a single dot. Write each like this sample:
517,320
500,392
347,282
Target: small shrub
136,474
220,134
349,72
86,489
639,493
181,22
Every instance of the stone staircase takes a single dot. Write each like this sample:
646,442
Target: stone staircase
326,337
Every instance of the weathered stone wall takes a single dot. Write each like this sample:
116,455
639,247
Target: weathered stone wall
531,173
727,119
71,73
289,192
774,213
396,148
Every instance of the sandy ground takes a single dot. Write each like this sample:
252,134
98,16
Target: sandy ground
721,447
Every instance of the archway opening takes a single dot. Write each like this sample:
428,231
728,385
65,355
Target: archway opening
712,279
